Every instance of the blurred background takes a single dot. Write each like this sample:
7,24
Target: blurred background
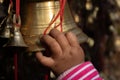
98,19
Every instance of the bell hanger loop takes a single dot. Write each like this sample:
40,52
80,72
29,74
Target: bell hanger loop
16,20
10,8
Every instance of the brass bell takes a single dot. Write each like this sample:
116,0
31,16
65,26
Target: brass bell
2,9
3,38
5,33
16,39
5,29
36,16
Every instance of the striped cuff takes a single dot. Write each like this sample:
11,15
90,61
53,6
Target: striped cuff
84,71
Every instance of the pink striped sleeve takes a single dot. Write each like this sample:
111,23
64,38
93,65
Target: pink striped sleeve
84,71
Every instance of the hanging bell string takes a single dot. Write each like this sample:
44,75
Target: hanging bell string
62,4
60,13
11,1
17,8
17,14
18,24
10,7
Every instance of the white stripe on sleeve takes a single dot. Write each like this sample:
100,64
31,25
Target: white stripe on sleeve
90,72
78,72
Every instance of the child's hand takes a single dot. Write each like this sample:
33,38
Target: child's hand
64,51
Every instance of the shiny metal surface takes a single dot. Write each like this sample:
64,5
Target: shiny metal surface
16,39
5,33
2,10
1,1
36,17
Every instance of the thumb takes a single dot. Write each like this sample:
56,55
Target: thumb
46,61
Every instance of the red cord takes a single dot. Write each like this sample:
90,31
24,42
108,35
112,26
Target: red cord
11,1
15,55
62,4
51,23
17,8
60,13
16,67
46,77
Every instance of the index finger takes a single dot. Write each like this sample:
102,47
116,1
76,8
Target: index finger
52,45
60,38
47,61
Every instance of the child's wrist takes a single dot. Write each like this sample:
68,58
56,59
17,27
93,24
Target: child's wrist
68,71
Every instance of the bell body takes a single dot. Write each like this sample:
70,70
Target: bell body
2,9
16,39
36,16
5,33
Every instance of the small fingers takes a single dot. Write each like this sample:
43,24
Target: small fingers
52,44
60,38
72,39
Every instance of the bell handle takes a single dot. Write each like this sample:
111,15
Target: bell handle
10,8
17,20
